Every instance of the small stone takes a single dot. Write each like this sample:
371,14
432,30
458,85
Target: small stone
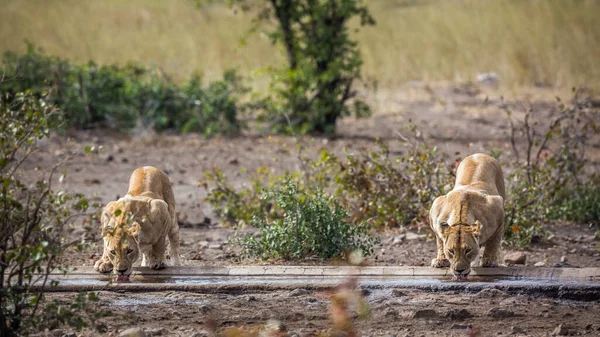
70,334
109,158
500,313
458,314
563,259
560,330
425,313
298,292
124,160
201,333
397,240
204,309
573,251
234,161
515,330
458,326
390,312
398,293
196,256
156,332
515,258
133,332
540,264
215,246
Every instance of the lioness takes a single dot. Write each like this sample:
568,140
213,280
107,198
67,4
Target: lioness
140,222
470,216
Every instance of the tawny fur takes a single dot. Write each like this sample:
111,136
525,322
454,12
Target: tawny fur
140,222
470,216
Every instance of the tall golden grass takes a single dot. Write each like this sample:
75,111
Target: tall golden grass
525,42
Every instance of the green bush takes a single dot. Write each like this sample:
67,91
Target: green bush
312,224
323,63
35,220
93,96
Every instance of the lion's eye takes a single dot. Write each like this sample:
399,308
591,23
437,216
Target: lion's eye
469,250
112,252
451,251
129,251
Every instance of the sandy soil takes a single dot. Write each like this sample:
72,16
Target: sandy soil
455,118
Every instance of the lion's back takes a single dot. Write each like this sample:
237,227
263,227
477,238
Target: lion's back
148,181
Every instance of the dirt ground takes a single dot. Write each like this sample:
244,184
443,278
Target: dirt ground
465,119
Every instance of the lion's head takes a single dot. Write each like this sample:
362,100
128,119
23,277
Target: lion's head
120,233
461,246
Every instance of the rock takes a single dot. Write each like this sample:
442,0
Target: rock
133,332
573,251
124,160
458,314
201,333
398,293
489,79
157,332
196,256
397,240
560,330
215,246
515,330
458,326
70,334
564,259
298,292
500,313
425,313
390,312
515,258
109,158
204,309
540,264
234,161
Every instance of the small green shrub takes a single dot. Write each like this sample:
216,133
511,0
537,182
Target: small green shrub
35,220
94,96
312,224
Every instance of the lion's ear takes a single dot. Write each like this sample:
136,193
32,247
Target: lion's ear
108,231
134,229
476,228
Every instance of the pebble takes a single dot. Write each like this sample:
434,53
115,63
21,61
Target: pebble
157,332
500,313
515,258
133,332
425,313
563,259
298,292
215,246
540,264
398,293
560,330
515,330
458,326
202,333
490,293
458,314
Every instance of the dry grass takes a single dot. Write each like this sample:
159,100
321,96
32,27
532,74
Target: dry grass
526,42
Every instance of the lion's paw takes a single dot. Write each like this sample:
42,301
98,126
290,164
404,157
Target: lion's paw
158,265
175,261
440,263
489,264
103,266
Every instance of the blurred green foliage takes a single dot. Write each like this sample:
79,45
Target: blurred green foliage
94,96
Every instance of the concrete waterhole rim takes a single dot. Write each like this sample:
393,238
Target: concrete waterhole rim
579,284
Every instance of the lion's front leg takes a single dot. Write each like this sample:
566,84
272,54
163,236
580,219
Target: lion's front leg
103,265
492,248
440,261
174,243
156,257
